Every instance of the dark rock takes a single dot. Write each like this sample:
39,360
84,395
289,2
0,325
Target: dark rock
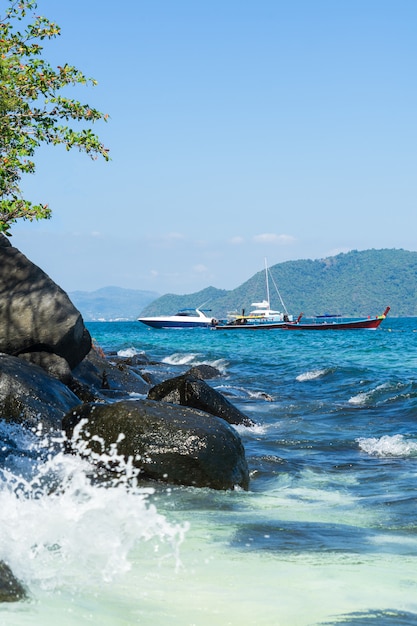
265,396
203,372
53,364
166,442
152,378
11,590
102,376
29,396
92,370
150,371
84,392
136,360
189,391
140,364
35,314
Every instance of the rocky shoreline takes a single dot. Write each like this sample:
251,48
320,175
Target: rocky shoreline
54,380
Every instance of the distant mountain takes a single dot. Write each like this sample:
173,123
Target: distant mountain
111,303
357,283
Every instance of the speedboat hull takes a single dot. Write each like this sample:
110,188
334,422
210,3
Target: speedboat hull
167,322
187,318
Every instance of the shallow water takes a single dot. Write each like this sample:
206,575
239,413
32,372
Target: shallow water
327,533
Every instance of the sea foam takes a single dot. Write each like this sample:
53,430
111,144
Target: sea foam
386,446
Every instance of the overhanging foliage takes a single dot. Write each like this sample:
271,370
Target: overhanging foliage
33,110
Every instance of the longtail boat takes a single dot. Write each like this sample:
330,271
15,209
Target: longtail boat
334,322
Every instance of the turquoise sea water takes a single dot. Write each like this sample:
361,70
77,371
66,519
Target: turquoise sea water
327,533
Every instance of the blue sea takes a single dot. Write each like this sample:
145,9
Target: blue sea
326,534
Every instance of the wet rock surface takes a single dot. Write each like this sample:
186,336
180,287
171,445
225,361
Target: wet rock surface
11,589
193,392
30,396
166,442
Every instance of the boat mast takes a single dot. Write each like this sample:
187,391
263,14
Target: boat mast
267,283
276,288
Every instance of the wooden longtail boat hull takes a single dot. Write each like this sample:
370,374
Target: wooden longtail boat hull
369,323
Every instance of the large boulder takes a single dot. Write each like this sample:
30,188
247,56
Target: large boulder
166,442
35,314
29,396
190,391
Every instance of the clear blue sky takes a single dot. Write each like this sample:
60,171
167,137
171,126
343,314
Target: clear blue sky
239,130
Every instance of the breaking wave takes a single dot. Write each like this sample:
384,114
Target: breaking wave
194,359
388,446
312,375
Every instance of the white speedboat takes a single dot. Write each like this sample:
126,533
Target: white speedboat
186,318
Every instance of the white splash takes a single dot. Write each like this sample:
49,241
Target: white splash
61,528
256,429
179,359
388,446
260,395
129,352
360,399
220,364
195,359
311,375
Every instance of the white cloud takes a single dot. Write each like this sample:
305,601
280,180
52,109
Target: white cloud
273,238
200,268
236,240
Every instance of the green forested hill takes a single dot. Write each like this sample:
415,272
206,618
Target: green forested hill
357,283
